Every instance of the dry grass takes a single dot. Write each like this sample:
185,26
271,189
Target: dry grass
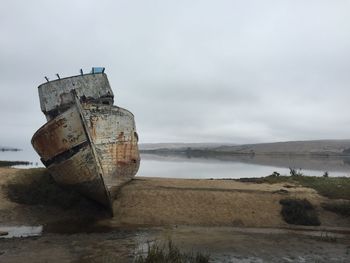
157,253
331,187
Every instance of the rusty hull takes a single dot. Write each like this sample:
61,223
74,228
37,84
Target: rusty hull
114,136
91,146
59,135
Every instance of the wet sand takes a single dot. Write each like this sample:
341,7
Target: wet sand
233,221
222,243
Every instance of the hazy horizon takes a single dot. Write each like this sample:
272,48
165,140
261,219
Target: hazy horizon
200,71
213,142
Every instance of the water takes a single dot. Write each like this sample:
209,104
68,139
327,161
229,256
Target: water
182,166
103,243
204,169
27,155
20,231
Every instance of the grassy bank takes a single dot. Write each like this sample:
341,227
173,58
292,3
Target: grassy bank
331,187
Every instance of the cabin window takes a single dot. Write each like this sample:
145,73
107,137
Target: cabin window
96,70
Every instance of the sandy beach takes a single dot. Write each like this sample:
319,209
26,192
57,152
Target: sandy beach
231,220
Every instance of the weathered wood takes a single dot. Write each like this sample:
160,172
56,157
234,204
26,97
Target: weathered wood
56,96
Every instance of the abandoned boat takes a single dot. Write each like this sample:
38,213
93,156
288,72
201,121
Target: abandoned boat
88,144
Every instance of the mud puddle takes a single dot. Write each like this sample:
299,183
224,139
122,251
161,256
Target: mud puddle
58,227
335,233
20,231
76,227
89,241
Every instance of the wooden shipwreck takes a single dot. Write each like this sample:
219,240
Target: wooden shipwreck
88,144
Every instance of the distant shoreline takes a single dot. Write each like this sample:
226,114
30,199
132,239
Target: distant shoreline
208,153
13,163
316,148
8,149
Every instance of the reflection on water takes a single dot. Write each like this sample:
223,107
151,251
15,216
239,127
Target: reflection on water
20,231
182,166
27,158
221,166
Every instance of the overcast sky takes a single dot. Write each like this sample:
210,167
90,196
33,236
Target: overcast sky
190,71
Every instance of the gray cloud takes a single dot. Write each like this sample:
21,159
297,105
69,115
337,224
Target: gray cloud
192,71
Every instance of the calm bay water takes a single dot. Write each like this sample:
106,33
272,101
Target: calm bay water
238,166
27,154
206,169
182,166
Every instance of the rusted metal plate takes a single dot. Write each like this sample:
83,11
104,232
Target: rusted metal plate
59,135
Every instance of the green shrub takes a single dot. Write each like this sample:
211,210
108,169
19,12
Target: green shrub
294,172
275,174
299,212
